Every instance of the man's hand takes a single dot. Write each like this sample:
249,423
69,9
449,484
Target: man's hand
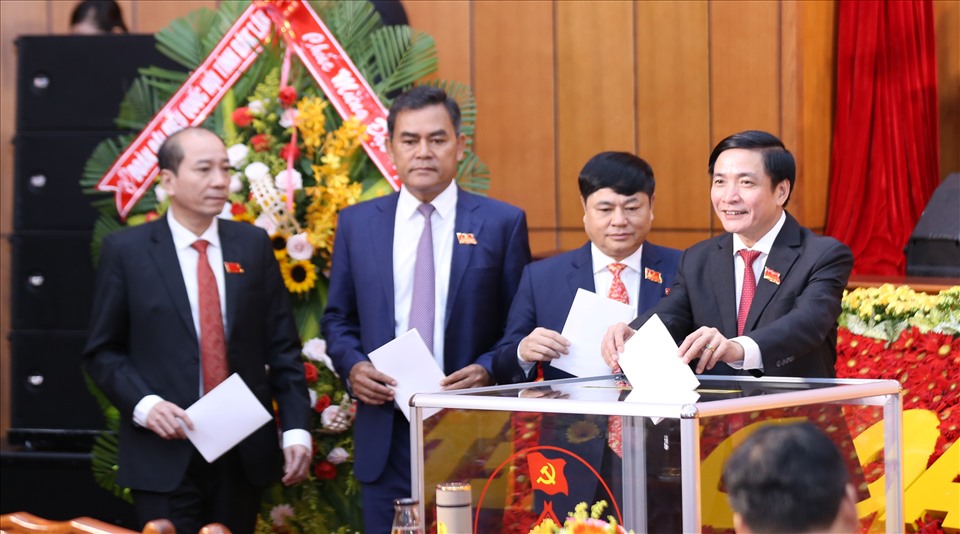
371,386
471,376
543,345
296,462
711,347
542,393
163,420
613,342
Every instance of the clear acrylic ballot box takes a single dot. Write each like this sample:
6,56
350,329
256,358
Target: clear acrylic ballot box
534,451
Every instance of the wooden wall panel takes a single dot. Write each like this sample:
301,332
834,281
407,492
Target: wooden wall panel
150,16
744,67
448,21
673,116
513,46
946,16
595,98
16,18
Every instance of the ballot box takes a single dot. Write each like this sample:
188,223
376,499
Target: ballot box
533,451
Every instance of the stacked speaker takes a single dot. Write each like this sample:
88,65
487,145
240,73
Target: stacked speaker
69,90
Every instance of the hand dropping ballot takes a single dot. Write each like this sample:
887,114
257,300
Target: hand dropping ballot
651,364
587,322
408,361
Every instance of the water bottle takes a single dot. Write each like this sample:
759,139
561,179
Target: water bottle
406,520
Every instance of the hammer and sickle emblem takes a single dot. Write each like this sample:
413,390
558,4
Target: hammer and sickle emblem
549,475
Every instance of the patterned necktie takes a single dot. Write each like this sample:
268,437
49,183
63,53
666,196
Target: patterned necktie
749,287
424,293
618,292
213,347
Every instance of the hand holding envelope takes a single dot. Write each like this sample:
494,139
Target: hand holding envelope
587,322
224,417
412,366
650,362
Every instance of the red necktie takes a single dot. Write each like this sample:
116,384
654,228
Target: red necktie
213,347
749,287
618,292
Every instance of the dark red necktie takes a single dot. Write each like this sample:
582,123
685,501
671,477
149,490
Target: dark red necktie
749,287
213,347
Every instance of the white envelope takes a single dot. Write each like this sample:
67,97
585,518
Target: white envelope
650,360
587,323
408,361
224,417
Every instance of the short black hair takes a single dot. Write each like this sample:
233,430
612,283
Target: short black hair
105,15
786,479
420,97
778,162
170,153
622,172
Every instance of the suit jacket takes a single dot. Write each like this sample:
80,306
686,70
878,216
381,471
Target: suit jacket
794,322
359,317
546,293
143,341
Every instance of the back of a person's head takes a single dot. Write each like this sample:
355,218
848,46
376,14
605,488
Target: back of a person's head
622,172
92,16
786,479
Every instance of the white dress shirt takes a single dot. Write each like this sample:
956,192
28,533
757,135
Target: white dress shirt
751,351
407,228
183,240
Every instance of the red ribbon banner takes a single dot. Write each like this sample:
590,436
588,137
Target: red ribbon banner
134,171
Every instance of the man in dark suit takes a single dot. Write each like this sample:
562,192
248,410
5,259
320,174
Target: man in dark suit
617,194
158,341
777,316
475,249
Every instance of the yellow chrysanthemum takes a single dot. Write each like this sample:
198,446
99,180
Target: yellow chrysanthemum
311,122
299,276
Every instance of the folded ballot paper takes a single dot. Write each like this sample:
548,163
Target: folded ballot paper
408,361
587,322
223,417
657,375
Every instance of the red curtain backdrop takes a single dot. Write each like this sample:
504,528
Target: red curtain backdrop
886,157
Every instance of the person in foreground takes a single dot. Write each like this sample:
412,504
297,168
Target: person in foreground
764,297
789,479
617,194
452,280
179,304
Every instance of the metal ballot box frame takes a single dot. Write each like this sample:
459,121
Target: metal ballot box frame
718,397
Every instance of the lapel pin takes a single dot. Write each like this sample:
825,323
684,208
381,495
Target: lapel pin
466,239
653,276
233,267
771,276
666,291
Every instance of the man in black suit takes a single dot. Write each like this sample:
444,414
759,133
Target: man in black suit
158,341
777,317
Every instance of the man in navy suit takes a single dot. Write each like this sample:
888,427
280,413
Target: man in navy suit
149,346
787,326
617,194
479,246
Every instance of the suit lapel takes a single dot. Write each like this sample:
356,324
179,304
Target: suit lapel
650,291
783,254
380,231
232,252
582,274
720,265
164,255
467,221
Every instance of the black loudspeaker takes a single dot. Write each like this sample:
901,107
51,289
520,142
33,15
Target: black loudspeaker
934,246
48,168
68,82
52,280
58,486
47,386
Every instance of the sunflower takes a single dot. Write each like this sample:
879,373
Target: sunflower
279,240
298,276
582,431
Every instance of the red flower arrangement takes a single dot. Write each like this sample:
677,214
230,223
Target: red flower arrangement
323,401
287,96
310,371
242,117
325,470
260,142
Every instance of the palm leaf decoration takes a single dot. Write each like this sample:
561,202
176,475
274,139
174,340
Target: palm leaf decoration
401,57
106,446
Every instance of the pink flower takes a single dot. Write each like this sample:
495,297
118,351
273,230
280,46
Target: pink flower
299,247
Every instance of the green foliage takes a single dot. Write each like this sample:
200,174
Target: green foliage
106,447
401,57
